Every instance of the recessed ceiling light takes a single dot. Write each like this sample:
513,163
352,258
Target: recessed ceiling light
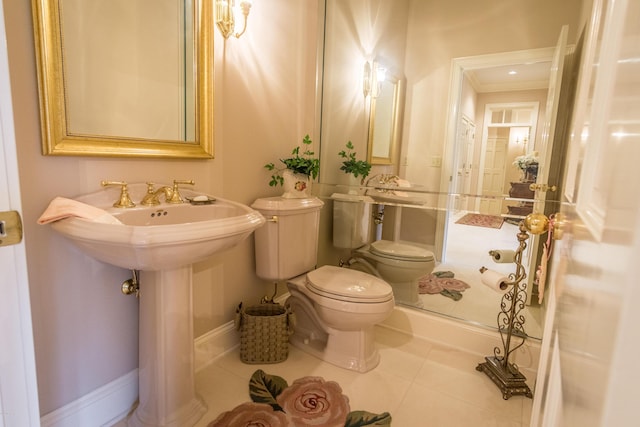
512,72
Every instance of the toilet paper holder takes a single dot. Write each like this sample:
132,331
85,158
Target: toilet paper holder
504,374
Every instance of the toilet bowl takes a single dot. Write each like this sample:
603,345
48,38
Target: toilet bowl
336,310
400,264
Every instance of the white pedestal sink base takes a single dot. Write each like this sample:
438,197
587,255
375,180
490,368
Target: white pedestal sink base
167,396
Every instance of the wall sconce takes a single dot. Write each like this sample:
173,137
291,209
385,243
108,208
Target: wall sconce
225,19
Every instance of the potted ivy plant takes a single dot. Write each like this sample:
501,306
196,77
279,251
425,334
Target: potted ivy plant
298,171
351,165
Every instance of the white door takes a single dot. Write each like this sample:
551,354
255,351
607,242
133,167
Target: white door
493,170
589,369
465,143
18,388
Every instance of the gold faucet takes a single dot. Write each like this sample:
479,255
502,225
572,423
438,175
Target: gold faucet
124,201
152,198
175,194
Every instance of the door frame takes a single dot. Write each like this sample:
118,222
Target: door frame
18,386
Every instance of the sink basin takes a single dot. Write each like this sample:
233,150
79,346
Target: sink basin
159,237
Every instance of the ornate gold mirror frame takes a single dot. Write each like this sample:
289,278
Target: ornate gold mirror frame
56,139
384,122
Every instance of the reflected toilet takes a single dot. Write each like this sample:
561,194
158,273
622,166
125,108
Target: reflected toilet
399,263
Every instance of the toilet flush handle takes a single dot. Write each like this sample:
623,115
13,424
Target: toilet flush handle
274,218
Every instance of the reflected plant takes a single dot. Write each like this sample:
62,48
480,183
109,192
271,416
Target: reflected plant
352,165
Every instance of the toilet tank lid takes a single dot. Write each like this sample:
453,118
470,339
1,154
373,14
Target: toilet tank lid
284,206
352,284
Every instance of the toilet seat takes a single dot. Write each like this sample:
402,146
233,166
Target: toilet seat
400,251
348,285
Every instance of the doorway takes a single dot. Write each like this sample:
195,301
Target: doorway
509,131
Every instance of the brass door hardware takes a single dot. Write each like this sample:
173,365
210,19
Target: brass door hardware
124,201
542,187
10,228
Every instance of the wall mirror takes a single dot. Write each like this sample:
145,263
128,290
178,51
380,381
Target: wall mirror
384,121
125,78
447,55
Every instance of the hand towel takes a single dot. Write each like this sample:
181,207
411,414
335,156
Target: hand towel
61,208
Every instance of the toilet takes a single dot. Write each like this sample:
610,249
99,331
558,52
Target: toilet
335,308
399,263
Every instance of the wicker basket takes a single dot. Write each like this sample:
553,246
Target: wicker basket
264,332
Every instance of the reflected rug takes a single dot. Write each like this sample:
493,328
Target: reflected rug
481,220
443,283
308,401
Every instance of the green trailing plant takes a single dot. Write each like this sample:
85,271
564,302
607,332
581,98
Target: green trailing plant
304,163
352,165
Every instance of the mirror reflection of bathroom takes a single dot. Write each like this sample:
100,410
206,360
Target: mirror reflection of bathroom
469,126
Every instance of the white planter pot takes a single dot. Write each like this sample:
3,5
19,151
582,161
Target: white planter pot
296,185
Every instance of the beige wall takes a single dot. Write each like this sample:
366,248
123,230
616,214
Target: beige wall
85,330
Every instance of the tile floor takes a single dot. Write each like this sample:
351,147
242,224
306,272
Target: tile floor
420,383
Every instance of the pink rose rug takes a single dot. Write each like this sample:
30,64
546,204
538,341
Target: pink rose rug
308,401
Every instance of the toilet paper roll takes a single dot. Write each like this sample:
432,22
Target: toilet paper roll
494,280
503,255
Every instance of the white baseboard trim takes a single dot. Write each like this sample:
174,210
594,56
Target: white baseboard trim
460,334
113,401
100,408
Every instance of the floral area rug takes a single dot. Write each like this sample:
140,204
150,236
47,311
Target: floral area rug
481,220
308,401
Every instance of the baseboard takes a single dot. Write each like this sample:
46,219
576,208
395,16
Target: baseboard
459,334
100,408
215,343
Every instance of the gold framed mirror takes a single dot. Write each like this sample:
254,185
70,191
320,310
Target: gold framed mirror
174,110
385,118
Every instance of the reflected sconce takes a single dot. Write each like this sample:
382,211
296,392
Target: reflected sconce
366,79
372,76
225,19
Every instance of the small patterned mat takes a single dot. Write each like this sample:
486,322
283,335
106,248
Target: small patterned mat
481,220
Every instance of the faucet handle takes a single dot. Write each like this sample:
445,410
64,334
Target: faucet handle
175,196
124,201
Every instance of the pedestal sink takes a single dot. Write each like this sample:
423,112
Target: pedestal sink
162,242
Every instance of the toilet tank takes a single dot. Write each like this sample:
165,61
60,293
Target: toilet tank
287,245
351,220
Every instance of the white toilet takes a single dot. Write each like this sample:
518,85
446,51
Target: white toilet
335,308
399,263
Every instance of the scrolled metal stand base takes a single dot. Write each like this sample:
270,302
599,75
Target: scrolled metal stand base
509,380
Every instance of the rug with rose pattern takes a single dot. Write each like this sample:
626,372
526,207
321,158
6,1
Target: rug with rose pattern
308,401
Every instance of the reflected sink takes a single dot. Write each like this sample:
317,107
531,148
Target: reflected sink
159,237
397,195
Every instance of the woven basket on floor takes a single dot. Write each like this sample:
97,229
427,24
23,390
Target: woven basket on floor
264,332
